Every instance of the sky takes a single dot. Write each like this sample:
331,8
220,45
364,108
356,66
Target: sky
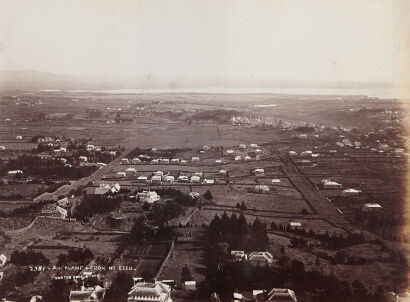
276,40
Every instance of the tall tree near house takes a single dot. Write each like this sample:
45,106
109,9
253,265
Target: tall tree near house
185,274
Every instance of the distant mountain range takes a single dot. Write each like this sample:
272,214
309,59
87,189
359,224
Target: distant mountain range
29,79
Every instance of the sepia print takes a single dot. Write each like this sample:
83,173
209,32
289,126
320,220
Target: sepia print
204,150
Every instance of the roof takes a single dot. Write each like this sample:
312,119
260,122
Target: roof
149,291
281,294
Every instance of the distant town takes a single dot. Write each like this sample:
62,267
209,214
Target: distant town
201,197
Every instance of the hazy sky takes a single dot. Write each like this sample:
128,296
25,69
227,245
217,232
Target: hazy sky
316,40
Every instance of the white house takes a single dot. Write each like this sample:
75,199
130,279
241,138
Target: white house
63,202
222,172
121,174
3,260
242,146
14,172
209,181
156,179
190,285
229,152
142,291
195,159
247,158
372,208
238,158
183,178
260,258
295,225
264,189
195,179
125,161
328,184
238,255
175,161
351,192
276,181
135,160
303,135
2,148
218,161
183,162
83,158
129,172
147,196
281,294
254,146
194,195
142,178
306,154
259,172
19,137
169,178
292,153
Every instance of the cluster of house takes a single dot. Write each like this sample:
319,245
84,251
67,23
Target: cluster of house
158,177
369,208
157,291
275,294
60,209
303,154
103,189
254,258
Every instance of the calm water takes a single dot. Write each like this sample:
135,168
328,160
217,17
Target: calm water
382,93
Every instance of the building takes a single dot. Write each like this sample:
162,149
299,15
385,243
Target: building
254,146
328,184
130,172
142,178
294,225
183,178
260,258
89,294
190,285
242,146
259,172
143,291
195,159
238,158
264,189
276,181
208,181
229,152
351,192
195,179
281,294
121,174
238,255
372,208
156,179
147,196
19,137
292,154
14,173
194,195
169,178
135,161
306,154
3,260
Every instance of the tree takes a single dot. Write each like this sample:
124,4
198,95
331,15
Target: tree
119,288
208,195
185,274
243,206
147,275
